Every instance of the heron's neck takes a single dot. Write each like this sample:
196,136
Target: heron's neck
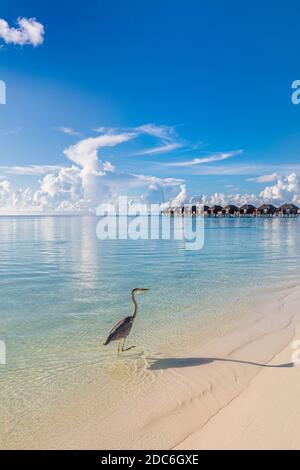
135,306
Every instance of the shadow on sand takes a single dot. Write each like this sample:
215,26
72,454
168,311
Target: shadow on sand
178,362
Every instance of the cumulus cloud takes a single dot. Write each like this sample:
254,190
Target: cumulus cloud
29,31
65,190
85,152
225,199
286,189
61,191
11,199
87,183
89,180
180,199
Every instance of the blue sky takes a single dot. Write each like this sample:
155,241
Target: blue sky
212,78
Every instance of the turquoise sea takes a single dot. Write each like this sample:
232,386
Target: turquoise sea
61,290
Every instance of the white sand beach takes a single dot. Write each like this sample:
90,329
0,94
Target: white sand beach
239,392
264,416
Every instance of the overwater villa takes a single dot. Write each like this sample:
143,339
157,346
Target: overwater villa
287,210
247,210
230,210
267,210
215,210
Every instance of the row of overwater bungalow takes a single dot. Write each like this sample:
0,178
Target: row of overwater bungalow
247,210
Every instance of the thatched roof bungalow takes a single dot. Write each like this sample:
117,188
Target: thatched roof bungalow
215,210
231,209
247,209
287,210
204,210
266,210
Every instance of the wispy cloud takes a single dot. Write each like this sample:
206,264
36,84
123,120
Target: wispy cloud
68,130
14,131
107,130
208,159
160,149
265,178
30,169
163,132
154,180
29,31
167,136
245,169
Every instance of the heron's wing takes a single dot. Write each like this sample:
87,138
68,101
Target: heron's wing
120,329
118,324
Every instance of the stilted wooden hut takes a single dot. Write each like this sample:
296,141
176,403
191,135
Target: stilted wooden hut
204,210
266,210
194,210
215,210
230,210
287,210
247,209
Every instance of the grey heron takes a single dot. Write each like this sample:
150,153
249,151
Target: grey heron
123,327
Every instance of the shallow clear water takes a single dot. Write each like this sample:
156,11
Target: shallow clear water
62,289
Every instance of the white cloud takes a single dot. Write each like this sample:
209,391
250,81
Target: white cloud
68,131
87,183
30,169
236,199
61,191
11,199
91,181
285,190
177,201
154,180
209,159
161,149
85,152
166,135
181,197
29,31
264,178
108,167
66,191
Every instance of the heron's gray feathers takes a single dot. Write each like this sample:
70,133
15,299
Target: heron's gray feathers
120,330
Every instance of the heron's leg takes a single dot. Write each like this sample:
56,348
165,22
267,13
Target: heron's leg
127,349
118,348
